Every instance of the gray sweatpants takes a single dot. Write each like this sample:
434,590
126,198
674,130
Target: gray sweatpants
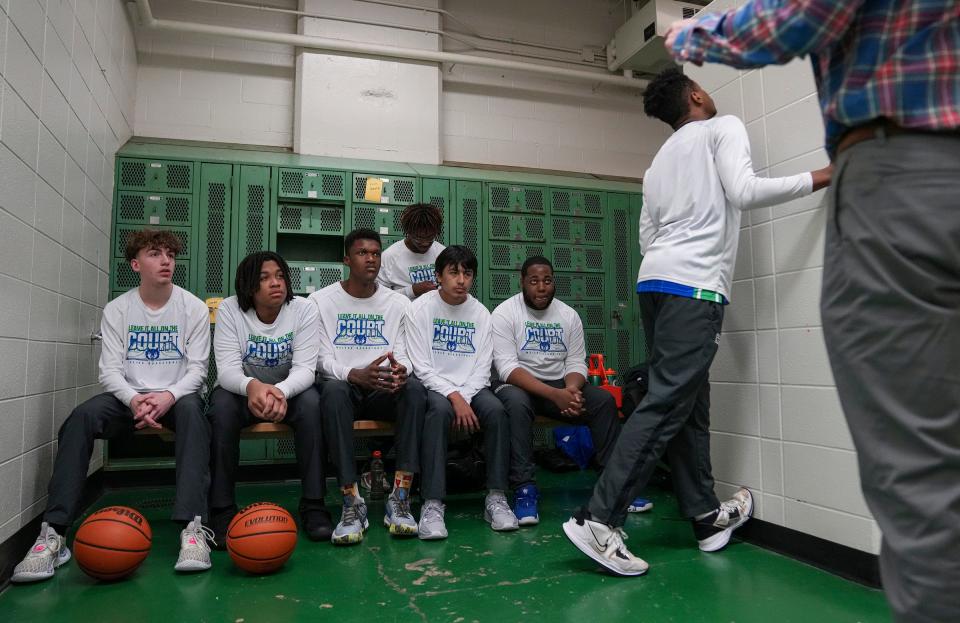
342,402
436,432
682,334
105,417
891,321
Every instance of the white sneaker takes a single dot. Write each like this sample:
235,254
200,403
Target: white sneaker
194,551
604,545
497,512
713,532
431,526
49,551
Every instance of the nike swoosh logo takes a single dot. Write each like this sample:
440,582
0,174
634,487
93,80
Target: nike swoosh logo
600,546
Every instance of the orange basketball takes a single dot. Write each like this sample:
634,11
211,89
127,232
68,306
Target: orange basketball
261,538
112,542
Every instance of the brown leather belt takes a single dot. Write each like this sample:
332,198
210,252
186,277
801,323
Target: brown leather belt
884,127
867,132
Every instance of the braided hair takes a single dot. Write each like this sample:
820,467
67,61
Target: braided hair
422,219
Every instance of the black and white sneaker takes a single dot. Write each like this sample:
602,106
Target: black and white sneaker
603,544
713,531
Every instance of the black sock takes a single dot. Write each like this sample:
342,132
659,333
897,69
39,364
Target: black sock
60,528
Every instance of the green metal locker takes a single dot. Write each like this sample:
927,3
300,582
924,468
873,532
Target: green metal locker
511,198
312,184
467,221
621,287
155,175
251,217
396,190
154,209
436,192
640,341
577,203
212,250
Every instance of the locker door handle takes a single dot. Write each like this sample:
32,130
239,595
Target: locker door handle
617,315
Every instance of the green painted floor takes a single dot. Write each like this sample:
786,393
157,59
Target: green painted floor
475,575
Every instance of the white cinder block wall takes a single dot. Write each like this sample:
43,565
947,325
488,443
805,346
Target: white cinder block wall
504,118
777,423
68,80
204,88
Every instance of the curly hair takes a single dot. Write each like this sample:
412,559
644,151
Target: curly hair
667,96
152,239
422,218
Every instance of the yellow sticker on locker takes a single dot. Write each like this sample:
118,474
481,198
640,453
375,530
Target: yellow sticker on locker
374,189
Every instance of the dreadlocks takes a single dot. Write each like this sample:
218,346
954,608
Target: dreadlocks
422,219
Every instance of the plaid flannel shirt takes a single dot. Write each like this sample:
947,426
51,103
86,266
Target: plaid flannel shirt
872,59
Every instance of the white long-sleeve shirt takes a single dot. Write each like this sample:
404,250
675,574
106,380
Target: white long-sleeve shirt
451,346
546,343
283,353
147,350
693,193
355,331
400,267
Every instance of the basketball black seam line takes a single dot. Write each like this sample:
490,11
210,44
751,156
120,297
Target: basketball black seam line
112,549
239,555
137,528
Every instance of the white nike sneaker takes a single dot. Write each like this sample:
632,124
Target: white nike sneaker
194,551
713,532
604,545
48,552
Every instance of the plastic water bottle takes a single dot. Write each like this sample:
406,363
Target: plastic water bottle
376,476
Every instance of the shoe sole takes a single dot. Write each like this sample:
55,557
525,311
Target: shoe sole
24,578
528,521
400,529
351,539
720,540
437,536
508,528
600,560
191,566
640,509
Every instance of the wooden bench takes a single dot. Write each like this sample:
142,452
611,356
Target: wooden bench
361,428
270,430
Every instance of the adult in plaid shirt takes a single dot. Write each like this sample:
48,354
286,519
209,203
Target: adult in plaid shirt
888,75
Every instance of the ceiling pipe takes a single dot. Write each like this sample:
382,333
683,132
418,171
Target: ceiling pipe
322,44
471,32
431,31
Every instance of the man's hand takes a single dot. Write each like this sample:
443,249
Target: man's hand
463,416
141,412
671,37
399,373
150,407
423,287
373,377
257,392
275,408
578,406
822,177
568,400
